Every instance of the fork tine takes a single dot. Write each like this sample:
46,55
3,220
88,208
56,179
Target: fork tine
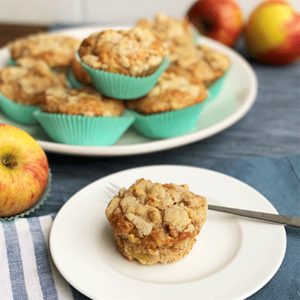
111,189
115,186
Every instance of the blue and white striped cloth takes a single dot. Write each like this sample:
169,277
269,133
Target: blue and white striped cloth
26,268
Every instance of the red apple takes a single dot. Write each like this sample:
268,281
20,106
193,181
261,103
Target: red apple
272,33
220,20
24,170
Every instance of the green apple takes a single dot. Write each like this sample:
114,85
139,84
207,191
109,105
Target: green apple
24,170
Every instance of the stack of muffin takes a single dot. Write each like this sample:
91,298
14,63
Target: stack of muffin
153,76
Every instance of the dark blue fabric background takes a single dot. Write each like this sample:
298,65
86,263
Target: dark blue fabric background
261,150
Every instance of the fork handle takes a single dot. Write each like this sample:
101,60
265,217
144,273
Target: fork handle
273,218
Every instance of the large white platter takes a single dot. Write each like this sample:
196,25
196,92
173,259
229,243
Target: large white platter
232,259
234,101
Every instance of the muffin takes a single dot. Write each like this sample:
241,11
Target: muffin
173,32
156,223
26,83
171,108
82,117
172,92
123,64
201,62
81,101
56,50
135,52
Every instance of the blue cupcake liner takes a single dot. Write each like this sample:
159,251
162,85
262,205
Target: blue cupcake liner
18,112
35,206
120,86
82,130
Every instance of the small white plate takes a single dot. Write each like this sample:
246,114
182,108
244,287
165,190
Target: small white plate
233,258
233,102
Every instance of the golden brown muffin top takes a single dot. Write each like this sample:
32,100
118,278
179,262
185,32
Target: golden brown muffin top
172,209
81,101
135,52
56,50
201,62
27,82
170,30
171,92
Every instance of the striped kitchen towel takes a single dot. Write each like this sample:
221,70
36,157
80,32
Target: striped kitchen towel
26,268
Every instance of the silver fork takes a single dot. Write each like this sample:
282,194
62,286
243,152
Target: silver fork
112,190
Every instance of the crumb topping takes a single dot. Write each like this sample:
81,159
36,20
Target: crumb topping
135,52
56,50
172,91
170,30
153,206
27,82
199,62
82,101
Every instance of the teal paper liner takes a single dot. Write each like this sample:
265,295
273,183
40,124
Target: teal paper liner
84,131
18,112
122,86
37,204
216,87
11,62
196,36
72,80
167,124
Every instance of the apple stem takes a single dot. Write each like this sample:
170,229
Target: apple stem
8,162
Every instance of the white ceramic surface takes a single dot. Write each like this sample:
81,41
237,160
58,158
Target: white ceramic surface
234,101
233,258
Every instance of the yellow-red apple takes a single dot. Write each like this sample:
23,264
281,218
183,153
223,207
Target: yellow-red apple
221,20
272,33
24,170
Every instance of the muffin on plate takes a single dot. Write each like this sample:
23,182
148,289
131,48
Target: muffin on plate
202,62
81,101
26,83
173,32
135,52
171,108
22,88
156,223
82,116
56,50
123,64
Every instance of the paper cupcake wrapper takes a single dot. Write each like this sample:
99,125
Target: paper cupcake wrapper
215,88
72,80
18,112
168,124
196,36
84,131
35,206
122,86
11,62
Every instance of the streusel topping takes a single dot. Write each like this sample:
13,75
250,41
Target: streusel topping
82,101
168,207
171,92
56,50
135,52
27,82
170,30
201,62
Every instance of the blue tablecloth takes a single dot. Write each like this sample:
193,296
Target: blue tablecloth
262,150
